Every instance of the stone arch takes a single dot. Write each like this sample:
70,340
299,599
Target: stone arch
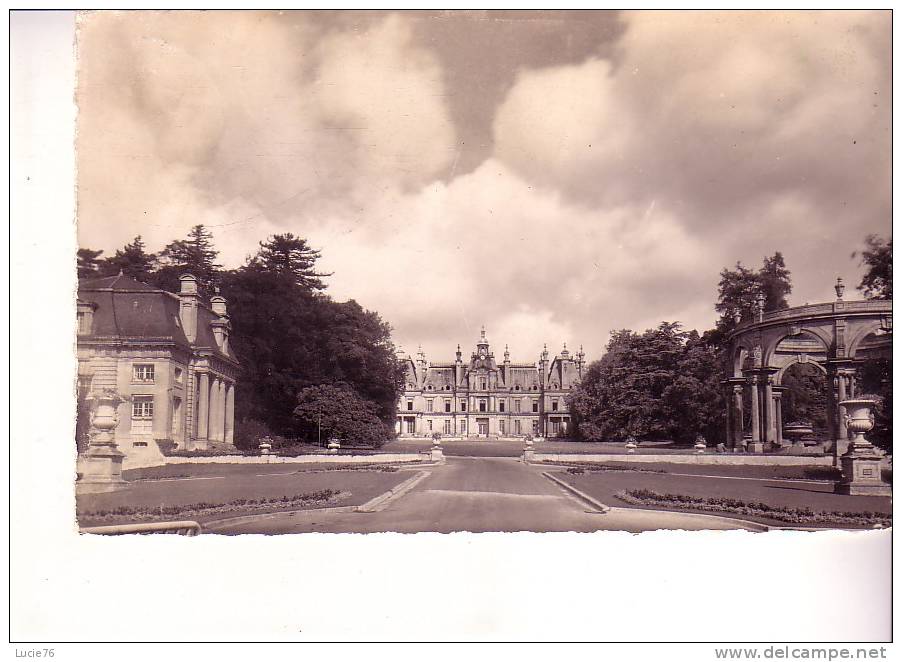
784,332
778,376
862,331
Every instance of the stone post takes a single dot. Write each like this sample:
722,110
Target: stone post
100,468
861,462
738,417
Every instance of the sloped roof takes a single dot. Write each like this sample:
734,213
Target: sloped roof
128,310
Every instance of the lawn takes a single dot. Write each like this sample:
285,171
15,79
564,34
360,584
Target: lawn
222,484
817,496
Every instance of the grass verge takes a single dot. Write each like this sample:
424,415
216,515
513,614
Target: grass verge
801,516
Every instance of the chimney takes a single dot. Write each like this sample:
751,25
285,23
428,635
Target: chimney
189,301
221,325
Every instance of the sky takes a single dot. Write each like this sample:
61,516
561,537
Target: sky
553,176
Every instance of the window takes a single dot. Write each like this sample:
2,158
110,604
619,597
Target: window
482,404
463,427
143,372
517,406
501,406
447,427
447,406
535,427
84,324
429,424
463,405
410,405
142,414
176,415
535,405
411,425
517,387
178,375
482,385
429,404
501,427
554,405
517,426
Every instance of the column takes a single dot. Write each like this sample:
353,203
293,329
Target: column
738,416
230,415
756,445
770,432
220,409
778,415
203,407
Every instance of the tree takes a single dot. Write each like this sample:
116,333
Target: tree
287,254
661,384
89,263
877,282
289,337
737,292
693,400
195,255
133,261
337,411
775,282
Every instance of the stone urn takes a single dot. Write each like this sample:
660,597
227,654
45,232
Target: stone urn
631,444
861,474
797,431
700,444
265,446
100,467
333,446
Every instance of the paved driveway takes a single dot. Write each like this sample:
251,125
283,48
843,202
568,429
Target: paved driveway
480,494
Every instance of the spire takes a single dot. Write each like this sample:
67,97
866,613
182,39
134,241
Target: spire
544,351
507,354
565,353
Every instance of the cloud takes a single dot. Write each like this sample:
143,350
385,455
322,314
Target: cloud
552,178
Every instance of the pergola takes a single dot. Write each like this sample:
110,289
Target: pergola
832,336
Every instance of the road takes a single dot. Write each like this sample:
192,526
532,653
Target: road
480,494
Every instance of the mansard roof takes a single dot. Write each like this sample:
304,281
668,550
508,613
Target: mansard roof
126,310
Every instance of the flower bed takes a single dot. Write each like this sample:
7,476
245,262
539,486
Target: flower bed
198,510
643,497
593,468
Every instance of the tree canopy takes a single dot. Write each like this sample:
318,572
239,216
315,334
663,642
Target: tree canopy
877,257
663,383
337,411
288,334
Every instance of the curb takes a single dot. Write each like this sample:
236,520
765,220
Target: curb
746,524
216,524
582,496
381,502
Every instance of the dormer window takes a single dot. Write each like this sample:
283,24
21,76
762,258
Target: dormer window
85,312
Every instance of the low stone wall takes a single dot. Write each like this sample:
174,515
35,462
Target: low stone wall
379,458
720,458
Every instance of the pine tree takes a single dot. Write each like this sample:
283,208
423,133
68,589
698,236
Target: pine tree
195,255
133,261
775,282
290,255
89,263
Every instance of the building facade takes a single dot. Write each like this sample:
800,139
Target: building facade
167,355
483,398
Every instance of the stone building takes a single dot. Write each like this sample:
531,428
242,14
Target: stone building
484,398
167,355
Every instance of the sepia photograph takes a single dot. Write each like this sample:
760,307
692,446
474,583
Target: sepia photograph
480,272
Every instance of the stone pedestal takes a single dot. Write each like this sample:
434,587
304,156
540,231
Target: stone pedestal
436,454
755,447
861,476
861,462
100,468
